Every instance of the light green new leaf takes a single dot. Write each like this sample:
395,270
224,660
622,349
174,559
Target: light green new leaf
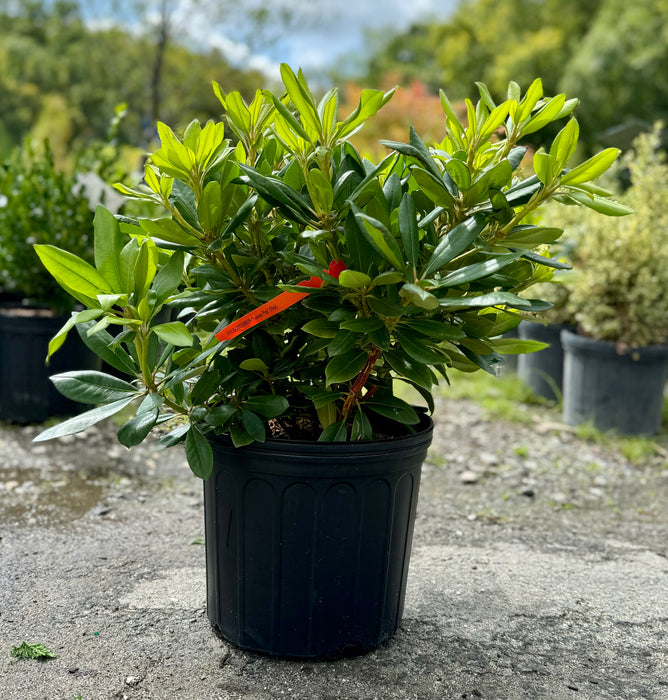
565,143
84,420
419,297
174,333
592,168
108,245
352,279
603,205
514,346
80,317
75,275
320,189
168,278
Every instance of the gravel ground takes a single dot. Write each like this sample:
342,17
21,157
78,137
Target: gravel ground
539,571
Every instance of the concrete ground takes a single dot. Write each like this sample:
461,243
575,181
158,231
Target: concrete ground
539,571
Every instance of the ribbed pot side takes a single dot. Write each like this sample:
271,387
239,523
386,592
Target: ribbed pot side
308,544
622,392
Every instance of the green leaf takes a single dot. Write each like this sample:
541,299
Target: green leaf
354,280
101,344
454,243
75,275
362,325
168,278
439,330
434,188
383,403
477,270
174,333
380,238
199,453
89,386
253,425
302,100
167,229
137,429
321,328
108,245
84,420
603,205
545,166
86,315
592,168
419,350
254,364
483,300
548,113
369,103
320,189
419,297
268,405
346,366
532,236
459,173
361,428
220,415
565,143
408,227
335,432
514,346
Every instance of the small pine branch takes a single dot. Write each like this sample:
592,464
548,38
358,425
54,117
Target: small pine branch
32,651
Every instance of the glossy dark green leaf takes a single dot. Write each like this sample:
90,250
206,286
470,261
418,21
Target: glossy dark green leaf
253,425
335,432
199,453
137,429
89,386
362,325
454,243
477,270
268,405
361,428
84,420
344,367
389,406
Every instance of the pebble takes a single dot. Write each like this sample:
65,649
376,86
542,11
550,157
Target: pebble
132,680
469,477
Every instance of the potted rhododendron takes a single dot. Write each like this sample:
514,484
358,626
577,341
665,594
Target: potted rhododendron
309,284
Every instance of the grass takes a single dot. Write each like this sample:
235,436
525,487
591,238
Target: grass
508,398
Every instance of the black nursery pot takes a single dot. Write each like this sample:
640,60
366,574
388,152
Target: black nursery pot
307,544
543,371
27,395
622,392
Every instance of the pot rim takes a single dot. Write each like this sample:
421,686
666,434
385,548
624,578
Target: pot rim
576,341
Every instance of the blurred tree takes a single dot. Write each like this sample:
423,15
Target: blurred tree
62,78
620,68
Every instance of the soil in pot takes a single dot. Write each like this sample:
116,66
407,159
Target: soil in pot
28,396
620,391
308,544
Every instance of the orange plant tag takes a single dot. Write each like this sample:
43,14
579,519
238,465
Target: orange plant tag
277,304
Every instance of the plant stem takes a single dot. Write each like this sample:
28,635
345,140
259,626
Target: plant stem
357,387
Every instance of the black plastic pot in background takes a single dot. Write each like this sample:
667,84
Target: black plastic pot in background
510,363
622,392
27,394
307,544
543,371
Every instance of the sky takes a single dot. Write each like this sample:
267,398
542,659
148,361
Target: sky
328,33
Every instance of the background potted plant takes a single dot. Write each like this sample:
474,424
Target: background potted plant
617,364
312,283
39,203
